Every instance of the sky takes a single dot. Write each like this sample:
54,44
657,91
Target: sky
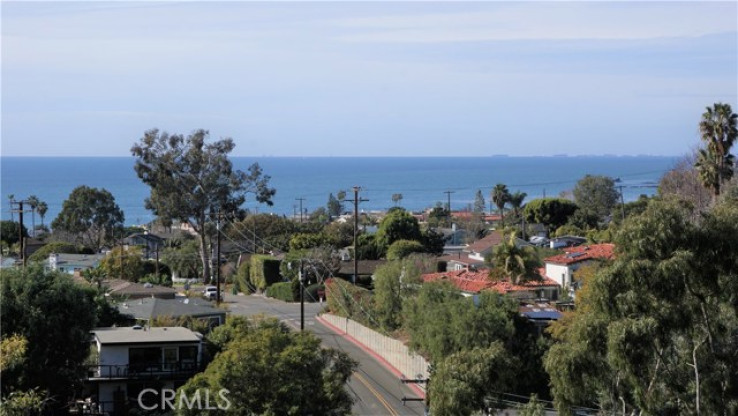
366,78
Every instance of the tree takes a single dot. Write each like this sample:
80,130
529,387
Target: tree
403,248
42,208
184,261
333,206
90,216
396,198
126,264
596,194
394,282
270,370
55,316
719,132
193,181
516,201
654,332
33,201
397,225
468,381
479,204
683,181
520,264
500,196
10,232
551,212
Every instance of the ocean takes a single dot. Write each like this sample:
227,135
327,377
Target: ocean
423,182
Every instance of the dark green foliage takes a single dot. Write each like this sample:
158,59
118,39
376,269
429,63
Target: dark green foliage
302,241
282,291
55,315
656,330
351,301
183,260
368,249
270,370
9,232
551,212
193,180
403,248
264,232
433,241
397,225
596,195
242,278
56,247
439,217
264,271
441,266
312,292
90,216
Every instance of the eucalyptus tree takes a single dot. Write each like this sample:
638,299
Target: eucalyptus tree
719,132
193,180
500,196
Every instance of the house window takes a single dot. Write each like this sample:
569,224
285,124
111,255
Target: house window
188,357
144,359
170,359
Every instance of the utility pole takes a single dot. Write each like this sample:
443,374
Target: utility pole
217,260
300,199
356,201
448,205
301,277
21,237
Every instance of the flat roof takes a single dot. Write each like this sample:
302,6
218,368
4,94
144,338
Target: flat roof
145,335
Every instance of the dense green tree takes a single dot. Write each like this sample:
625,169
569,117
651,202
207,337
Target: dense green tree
397,225
302,241
519,264
719,130
192,180
596,194
394,282
654,333
339,234
403,248
551,212
318,264
183,261
55,316
90,216
270,370
439,217
265,232
469,381
500,196
10,233
122,263
58,247
333,206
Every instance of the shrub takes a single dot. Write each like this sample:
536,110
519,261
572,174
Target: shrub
311,292
264,271
282,291
403,248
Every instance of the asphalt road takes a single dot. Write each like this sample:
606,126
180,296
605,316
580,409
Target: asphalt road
375,389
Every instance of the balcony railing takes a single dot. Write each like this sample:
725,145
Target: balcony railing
143,370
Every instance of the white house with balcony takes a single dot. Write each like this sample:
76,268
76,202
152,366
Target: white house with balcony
131,359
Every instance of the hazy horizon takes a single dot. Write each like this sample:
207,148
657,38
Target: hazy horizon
330,79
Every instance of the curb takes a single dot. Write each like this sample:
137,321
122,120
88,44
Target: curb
420,392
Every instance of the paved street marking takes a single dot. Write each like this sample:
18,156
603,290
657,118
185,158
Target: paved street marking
379,397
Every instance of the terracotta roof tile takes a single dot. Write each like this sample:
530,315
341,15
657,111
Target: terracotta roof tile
583,253
476,281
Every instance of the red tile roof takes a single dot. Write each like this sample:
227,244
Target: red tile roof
583,253
490,240
476,281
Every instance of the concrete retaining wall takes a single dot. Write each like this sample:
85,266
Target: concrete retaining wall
393,351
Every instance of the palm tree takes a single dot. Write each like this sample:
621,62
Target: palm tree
516,201
719,131
33,201
42,208
500,196
520,264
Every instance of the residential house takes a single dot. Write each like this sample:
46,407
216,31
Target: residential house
131,290
72,264
145,310
561,267
150,244
567,241
472,256
131,359
472,282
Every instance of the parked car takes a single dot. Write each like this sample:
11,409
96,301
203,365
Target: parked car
210,292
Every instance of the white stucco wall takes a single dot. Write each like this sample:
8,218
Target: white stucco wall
561,274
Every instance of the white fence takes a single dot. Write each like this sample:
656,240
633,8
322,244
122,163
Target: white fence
393,351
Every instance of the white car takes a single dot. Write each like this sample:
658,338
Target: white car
210,292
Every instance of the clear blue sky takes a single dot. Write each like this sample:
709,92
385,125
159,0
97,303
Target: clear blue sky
368,78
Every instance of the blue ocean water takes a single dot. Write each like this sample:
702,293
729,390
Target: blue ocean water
421,181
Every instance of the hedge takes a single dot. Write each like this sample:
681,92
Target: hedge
281,291
264,271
